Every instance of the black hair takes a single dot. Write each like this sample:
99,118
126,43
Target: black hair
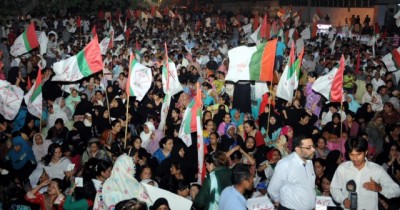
164,141
356,143
237,155
217,158
240,172
50,152
215,133
297,140
60,183
114,122
131,204
59,120
181,185
321,161
250,122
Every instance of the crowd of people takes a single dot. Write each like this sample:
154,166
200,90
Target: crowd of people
249,133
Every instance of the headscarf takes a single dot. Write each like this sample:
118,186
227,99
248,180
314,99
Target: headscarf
159,202
153,143
228,126
237,122
121,185
40,150
353,105
25,154
284,132
331,161
146,136
64,109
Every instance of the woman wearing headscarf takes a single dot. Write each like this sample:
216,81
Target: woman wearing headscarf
231,139
60,101
72,100
117,108
101,120
266,169
376,133
271,130
29,128
312,98
364,115
219,116
14,76
55,113
285,140
83,107
147,133
237,117
353,104
110,135
20,161
121,185
58,133
40,146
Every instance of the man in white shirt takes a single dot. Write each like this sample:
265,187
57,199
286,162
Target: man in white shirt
292,185
370,178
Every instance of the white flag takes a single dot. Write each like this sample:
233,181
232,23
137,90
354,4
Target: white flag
247,28
104,45
323,84
255,36
170,81
164,111
43,40
239,61
10,100
139,80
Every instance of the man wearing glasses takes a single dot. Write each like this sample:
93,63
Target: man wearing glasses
292,185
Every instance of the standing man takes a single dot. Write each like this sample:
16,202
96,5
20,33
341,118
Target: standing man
232,197
293,184
370,178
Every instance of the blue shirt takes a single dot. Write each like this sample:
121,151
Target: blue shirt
280,49
231,199
293,183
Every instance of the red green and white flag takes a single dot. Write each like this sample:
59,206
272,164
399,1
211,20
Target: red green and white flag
33,98
85,63
327,85
139,79
10,99
287,82
262,61
336,94
25,42
317,15
297,66
252,63
111,35
392,60
170,81
164,111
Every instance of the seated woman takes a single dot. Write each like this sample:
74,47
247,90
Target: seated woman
166,144
40,146
54,163
58,133
332,129
230,139
285,139
94,150
121,185
29,128
139,154
52,199
214,145
110,135
321,151
266,168
20,161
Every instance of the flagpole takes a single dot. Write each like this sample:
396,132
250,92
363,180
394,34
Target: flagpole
269,102
126,119
108,105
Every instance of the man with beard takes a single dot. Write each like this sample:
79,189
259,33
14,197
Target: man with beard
293,184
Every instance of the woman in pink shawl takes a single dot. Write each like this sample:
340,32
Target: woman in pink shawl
285,140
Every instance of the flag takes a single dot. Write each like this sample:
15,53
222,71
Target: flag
158,15
43,40
153,11
139,79
247,28
336,94
287,82
392,60
25,42
137,50
252,63
104,45
309,32
189,120
85,63
317,15
265,29
164,111
33,98
78,22
256,22
262,61
333,43
297,66
397,17
93,33
239,60
323,84
10,99
120,37
170,81
171,14
111,35
255,36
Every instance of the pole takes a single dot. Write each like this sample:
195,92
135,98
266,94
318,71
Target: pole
108,106
126,119
269,103
341,128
